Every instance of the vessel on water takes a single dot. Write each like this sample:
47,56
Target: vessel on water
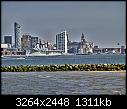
14,57
43,54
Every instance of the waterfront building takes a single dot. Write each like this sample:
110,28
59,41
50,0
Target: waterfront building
49,46
54,46
122,49
110,50
96,49
8,40
62,41
73,47
42,45
34,41
26,42
85,46
11,52
107,50
17,35
45,45
5,46
95,46
6,49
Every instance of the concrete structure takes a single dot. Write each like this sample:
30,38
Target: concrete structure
26,42
8,40
107,50
50,46
17,35
11,52
122,49
110,50
73,47
34,41
96,47
62,41
85,46
41,45
6,50
5,45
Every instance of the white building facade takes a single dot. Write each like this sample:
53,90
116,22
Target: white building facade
85,46
61,41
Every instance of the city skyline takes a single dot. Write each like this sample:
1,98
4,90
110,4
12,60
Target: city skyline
101,22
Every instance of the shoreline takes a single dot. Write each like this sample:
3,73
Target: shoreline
123,71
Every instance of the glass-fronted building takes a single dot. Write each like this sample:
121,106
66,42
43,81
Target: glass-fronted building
17,35
8,39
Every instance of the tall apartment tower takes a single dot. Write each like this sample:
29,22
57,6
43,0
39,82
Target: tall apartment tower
17,34
61,41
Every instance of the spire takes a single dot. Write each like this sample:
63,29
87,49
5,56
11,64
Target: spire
82,37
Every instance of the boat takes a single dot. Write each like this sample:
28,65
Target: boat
43,54
14,57
21,58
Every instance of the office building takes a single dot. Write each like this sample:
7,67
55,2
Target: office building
8,40
6,45
26,42
61,41
34,41
122,49
73,47
17,35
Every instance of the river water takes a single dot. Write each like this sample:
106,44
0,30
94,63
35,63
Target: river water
66,59
66,83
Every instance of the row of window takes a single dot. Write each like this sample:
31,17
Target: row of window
61,48
61,44
61,39
61,34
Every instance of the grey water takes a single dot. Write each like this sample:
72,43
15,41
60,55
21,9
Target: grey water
66,59
66,83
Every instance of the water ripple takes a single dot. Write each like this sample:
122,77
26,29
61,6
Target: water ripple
75,83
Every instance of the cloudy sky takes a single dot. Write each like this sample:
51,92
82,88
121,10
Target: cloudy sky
101,22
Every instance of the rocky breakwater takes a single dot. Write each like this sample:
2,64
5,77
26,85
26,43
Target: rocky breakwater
65,67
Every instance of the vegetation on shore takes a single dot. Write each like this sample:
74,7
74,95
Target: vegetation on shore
66,67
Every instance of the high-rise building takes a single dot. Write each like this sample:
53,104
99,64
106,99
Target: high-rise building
8,39
61,41
26,42
17,35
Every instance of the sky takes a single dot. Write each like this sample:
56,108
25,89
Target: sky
101,22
